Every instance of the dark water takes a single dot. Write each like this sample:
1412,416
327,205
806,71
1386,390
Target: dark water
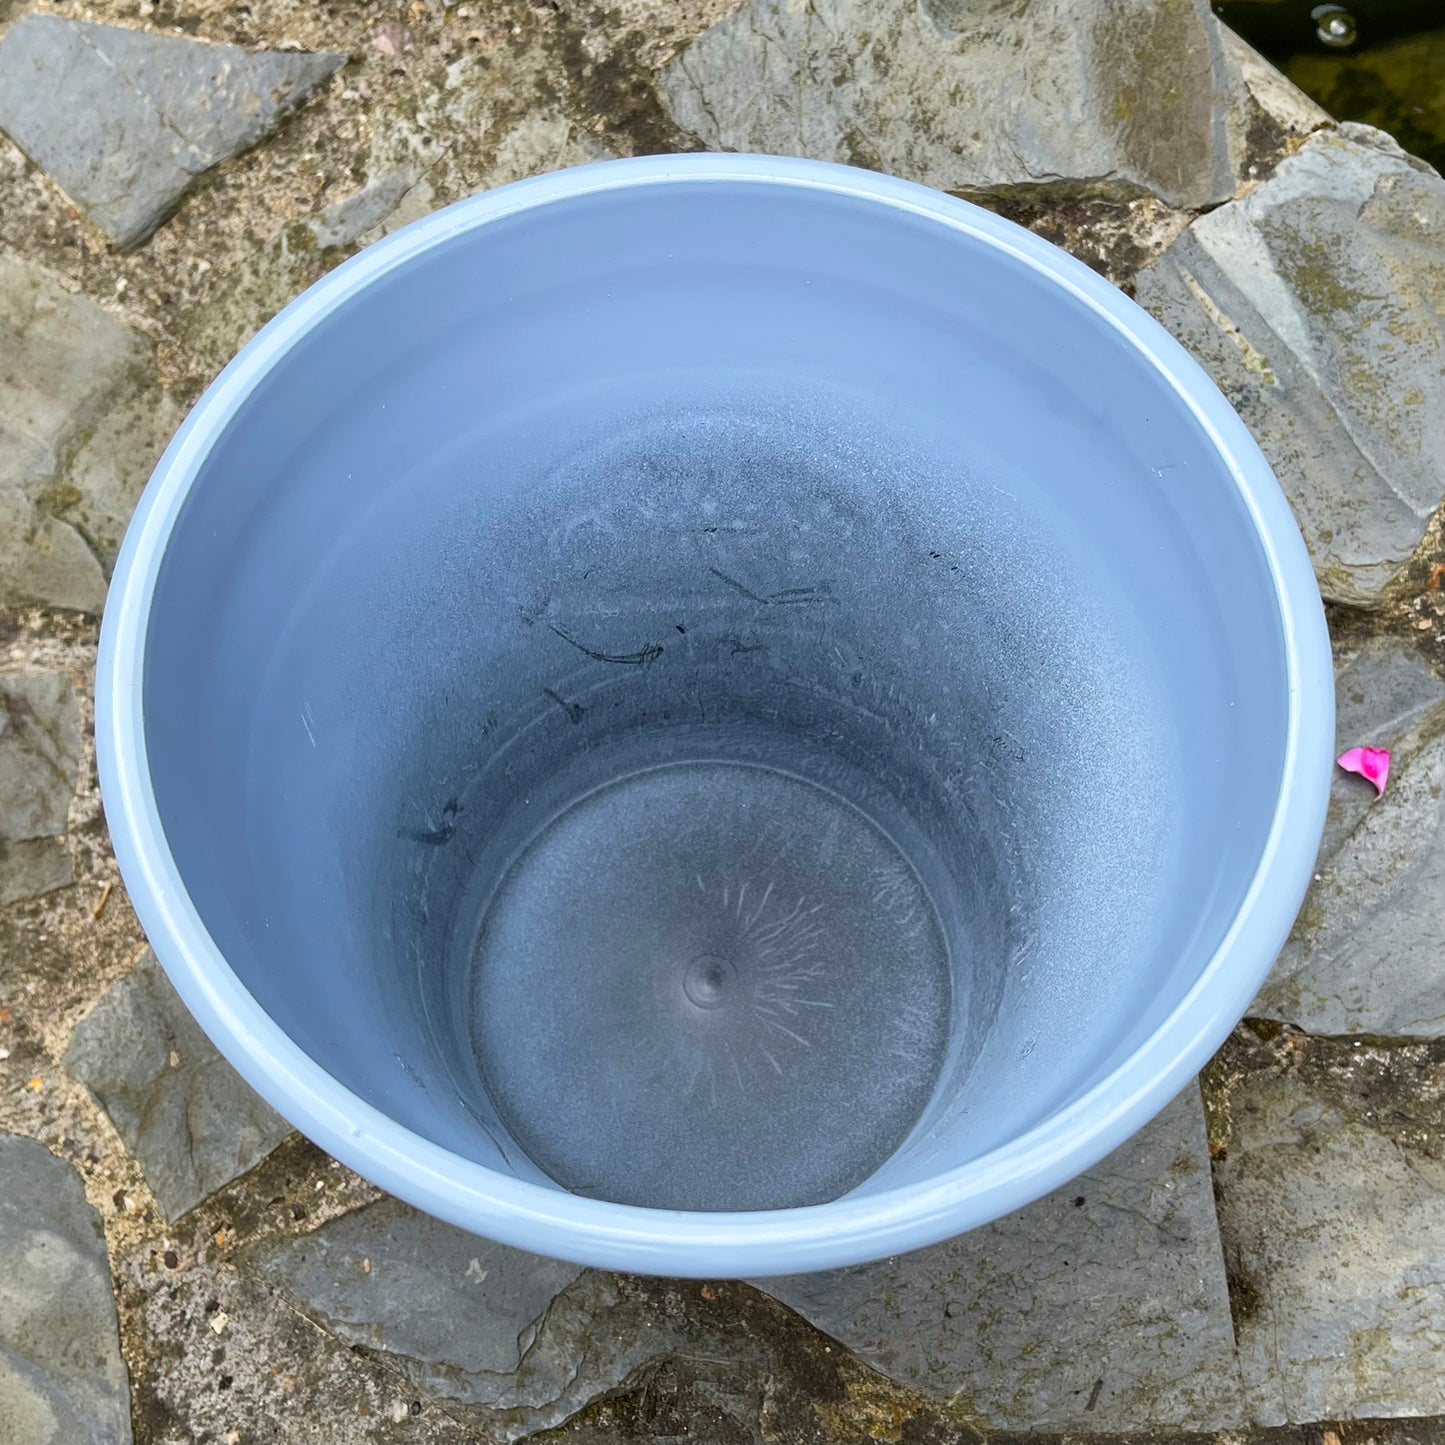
1379,61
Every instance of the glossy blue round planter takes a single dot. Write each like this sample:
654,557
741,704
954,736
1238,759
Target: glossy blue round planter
769,527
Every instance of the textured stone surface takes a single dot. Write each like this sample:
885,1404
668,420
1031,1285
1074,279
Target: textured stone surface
1283,102
527,1341
465,1309
1102,1307
110,466
1331,1193
1367,955
62,1380
39,759
189,1118
1316,304
1131,98
346,220
81,424
124,120
1383,690
543,140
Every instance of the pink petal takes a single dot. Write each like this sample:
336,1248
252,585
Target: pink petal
1370,763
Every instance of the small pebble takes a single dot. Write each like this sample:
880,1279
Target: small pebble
220,1320
391,37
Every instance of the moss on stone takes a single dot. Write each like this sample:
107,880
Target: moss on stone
59,498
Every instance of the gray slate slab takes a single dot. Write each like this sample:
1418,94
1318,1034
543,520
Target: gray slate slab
1131,98
62,1379
524,1341
110,465
124,120
1367,954
1316,303
189,1118
1285,105
39,764
1333,1217
1102,1307
68,372
399,1281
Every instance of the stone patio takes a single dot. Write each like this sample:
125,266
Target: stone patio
1265,1262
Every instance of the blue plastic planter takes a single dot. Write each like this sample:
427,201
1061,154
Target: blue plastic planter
715,682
